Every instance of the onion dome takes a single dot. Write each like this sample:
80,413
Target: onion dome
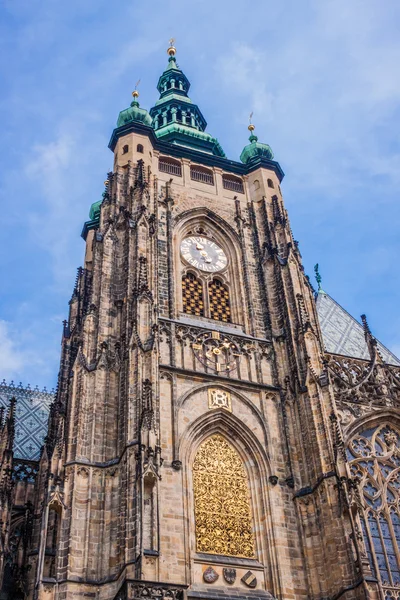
134,113
255,149
94,213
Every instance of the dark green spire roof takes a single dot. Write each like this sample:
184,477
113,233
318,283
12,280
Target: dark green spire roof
255,149
175,118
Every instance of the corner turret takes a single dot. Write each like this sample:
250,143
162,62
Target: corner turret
255,149
134,113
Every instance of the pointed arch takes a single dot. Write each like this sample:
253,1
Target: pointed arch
373,451
251,448
204,222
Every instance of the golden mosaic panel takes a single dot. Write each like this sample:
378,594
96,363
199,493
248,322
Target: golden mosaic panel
192,295
221,499
220,308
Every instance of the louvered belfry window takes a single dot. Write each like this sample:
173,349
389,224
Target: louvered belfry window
220,308
192,295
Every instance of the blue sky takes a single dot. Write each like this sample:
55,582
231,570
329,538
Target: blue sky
321,76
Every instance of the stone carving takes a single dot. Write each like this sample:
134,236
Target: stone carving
374,456
215,351
153,591
219,399
210,575
357,381
229,575
221,498
249,579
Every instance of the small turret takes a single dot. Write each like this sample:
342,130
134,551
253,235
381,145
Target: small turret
255,149
134,113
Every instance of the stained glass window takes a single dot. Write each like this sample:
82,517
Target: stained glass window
374,456
192,295
220,308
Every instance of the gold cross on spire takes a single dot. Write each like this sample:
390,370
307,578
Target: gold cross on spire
171,50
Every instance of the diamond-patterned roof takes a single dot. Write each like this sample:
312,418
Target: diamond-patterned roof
31,416
342,334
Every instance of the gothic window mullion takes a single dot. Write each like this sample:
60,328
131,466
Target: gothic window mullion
394,545
374,456
393,513
207,297
378,520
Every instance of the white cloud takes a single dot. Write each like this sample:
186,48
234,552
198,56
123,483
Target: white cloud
11,358
323,94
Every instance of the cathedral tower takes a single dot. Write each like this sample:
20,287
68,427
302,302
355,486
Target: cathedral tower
195,449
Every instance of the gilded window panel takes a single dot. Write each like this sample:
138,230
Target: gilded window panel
220,307
192,295
221,498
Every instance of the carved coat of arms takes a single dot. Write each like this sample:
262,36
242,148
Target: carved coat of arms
229,575
249,579
210,575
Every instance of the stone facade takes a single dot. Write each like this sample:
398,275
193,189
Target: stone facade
146,389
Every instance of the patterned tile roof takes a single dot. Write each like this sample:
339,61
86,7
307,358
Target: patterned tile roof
342,334
32,412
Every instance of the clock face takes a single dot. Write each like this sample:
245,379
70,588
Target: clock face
204,254
216,351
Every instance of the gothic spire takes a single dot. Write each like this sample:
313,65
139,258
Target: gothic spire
175,118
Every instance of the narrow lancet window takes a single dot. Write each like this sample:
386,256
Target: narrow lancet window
192,295
220,308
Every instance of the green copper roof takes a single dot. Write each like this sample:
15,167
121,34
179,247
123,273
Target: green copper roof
182,135
134,113
176,119
94,213
255,150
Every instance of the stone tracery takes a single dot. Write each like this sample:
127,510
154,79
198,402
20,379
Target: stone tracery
374,456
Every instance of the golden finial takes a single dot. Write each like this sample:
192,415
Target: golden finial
135,93
171,50
251,126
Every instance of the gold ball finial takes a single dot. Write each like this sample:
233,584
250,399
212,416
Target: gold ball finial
251,126
171,50
135,93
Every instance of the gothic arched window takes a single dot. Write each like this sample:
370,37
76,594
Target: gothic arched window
192,295
221,500
374,456
270,183
220,308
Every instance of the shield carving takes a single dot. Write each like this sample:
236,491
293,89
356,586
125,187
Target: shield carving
210,575
229,575
249,579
